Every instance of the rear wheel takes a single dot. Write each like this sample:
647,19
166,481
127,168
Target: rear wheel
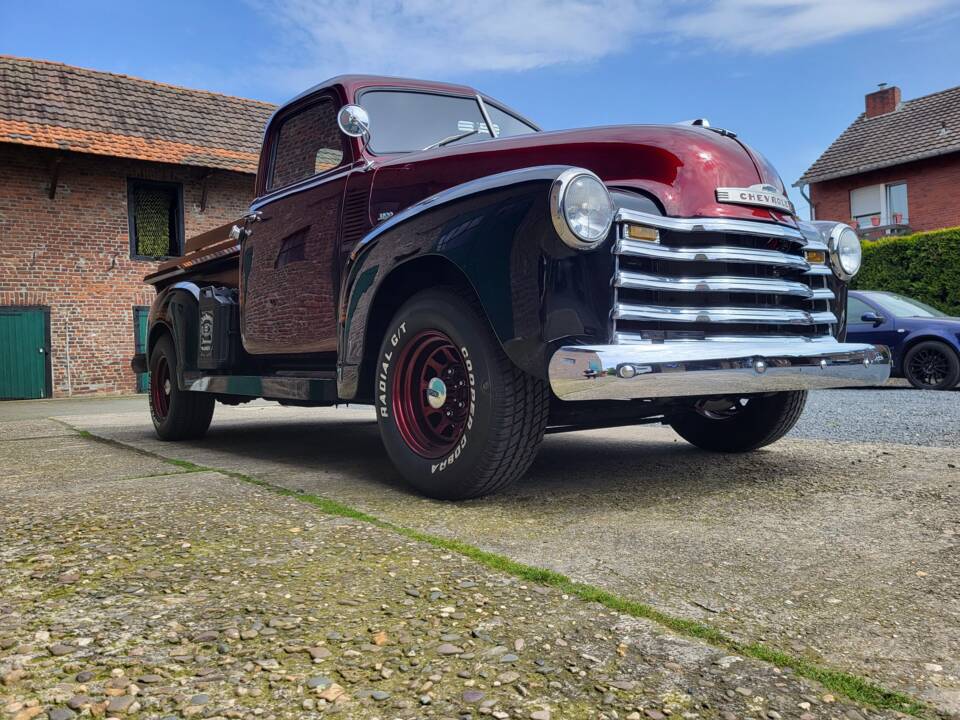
177,414
739,424
457,418
932,365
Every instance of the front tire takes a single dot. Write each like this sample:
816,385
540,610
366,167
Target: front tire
457,417
740,425
177,414
931,365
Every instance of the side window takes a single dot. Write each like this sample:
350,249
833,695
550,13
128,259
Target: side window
856,308
307,144
155,217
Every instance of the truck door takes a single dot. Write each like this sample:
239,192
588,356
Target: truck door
289,263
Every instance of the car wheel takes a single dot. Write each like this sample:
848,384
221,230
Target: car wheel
457,417
177,414
739,425
932,365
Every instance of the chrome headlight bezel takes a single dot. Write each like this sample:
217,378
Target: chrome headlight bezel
840,235
558,210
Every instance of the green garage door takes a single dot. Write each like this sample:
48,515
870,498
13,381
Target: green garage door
24,353
140,313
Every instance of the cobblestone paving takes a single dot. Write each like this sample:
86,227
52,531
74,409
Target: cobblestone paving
132,590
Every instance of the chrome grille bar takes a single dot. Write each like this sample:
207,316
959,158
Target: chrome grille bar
719,225
641,248
722,315
729,284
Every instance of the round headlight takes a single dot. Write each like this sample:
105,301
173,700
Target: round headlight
581,208
846,254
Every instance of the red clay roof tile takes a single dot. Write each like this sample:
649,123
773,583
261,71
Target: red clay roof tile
52,105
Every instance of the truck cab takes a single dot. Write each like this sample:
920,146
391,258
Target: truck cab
422,248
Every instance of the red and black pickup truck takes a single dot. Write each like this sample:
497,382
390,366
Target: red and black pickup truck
422,248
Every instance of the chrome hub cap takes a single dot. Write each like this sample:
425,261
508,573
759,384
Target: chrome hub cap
436,393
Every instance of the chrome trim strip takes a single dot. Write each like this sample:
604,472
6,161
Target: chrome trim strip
823,294
721,225
486,116
310,182
759,315
709,368
642,248
771,286
819,270
629,338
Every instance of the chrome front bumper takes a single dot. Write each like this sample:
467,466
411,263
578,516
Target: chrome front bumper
723,366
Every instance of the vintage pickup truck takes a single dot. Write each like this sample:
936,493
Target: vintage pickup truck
422,248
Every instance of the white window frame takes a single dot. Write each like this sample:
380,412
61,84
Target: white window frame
885,217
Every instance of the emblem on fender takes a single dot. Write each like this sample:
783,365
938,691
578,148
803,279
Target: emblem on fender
761,195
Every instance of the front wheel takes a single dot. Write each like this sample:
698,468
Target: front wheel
741,424
931,365
457,417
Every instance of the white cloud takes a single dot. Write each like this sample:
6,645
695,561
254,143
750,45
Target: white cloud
448,37
765,26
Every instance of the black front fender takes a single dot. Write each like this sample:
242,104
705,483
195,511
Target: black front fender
497,233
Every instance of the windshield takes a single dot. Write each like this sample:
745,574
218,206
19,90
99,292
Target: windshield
404,121
900,306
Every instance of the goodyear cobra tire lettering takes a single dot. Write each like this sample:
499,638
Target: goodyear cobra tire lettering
449,460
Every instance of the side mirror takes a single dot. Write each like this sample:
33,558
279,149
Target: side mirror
354,121
872,317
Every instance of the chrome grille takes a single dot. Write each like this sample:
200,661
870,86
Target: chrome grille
717,277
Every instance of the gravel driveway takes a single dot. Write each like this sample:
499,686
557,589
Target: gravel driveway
890,414
135,588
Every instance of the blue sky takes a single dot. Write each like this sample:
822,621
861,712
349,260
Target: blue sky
787,75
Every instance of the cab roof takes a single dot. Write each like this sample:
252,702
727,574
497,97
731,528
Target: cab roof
352,84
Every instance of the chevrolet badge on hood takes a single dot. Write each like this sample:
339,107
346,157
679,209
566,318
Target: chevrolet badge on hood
760,195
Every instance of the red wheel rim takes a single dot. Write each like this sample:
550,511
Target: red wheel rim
160,387
431,394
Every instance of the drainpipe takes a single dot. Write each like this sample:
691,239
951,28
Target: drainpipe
807,198
69,379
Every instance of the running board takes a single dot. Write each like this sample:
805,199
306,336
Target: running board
314,390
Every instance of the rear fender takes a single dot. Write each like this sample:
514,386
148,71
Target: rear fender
496,231
176,311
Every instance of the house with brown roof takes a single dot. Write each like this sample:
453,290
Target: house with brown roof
102,176
896,169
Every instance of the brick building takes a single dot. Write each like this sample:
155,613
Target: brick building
896,169
102,176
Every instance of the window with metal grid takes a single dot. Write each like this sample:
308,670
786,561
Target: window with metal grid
155,211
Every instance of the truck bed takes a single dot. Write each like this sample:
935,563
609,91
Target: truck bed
212,257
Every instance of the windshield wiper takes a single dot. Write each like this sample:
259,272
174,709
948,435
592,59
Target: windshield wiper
452,138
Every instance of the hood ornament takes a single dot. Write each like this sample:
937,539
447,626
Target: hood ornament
760,195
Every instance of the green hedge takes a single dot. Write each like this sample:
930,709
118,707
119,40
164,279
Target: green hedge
925,266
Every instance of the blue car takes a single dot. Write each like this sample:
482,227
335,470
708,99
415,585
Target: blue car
925,342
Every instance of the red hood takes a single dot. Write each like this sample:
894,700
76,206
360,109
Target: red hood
680,165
